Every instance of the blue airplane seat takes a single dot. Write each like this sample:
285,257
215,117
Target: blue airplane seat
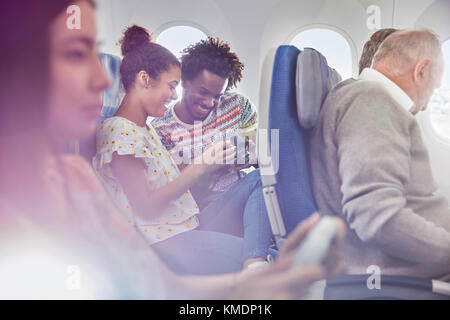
300,82
113,95
293,183
111,100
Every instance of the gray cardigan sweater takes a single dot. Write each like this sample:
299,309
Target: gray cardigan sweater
370,166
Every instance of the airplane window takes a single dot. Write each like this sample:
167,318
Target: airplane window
331,44
440,101
178,38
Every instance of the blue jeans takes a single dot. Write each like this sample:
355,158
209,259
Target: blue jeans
215,246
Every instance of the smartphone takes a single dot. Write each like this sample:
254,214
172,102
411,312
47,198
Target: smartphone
242,147
314,249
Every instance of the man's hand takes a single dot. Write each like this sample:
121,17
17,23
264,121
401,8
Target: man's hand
252,160
217,156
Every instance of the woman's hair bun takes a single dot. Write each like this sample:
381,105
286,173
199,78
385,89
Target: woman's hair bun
133,38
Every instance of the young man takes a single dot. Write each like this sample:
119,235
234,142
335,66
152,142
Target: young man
207,112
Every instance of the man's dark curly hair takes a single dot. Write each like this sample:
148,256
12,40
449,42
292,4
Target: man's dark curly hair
215,56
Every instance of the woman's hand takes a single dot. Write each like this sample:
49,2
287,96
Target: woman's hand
217,156
280,280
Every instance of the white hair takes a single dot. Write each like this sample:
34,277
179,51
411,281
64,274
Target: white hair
403,49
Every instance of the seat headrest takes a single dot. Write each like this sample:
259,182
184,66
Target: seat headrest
314,79
112,96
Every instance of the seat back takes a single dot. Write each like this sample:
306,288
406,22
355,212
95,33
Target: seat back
299,84
314,80
112,97
292,187
111,101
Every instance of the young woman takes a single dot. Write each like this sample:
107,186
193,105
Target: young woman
153,194
56,222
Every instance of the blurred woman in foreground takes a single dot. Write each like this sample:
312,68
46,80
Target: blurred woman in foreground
60,237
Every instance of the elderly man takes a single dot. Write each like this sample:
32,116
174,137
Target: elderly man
370,165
